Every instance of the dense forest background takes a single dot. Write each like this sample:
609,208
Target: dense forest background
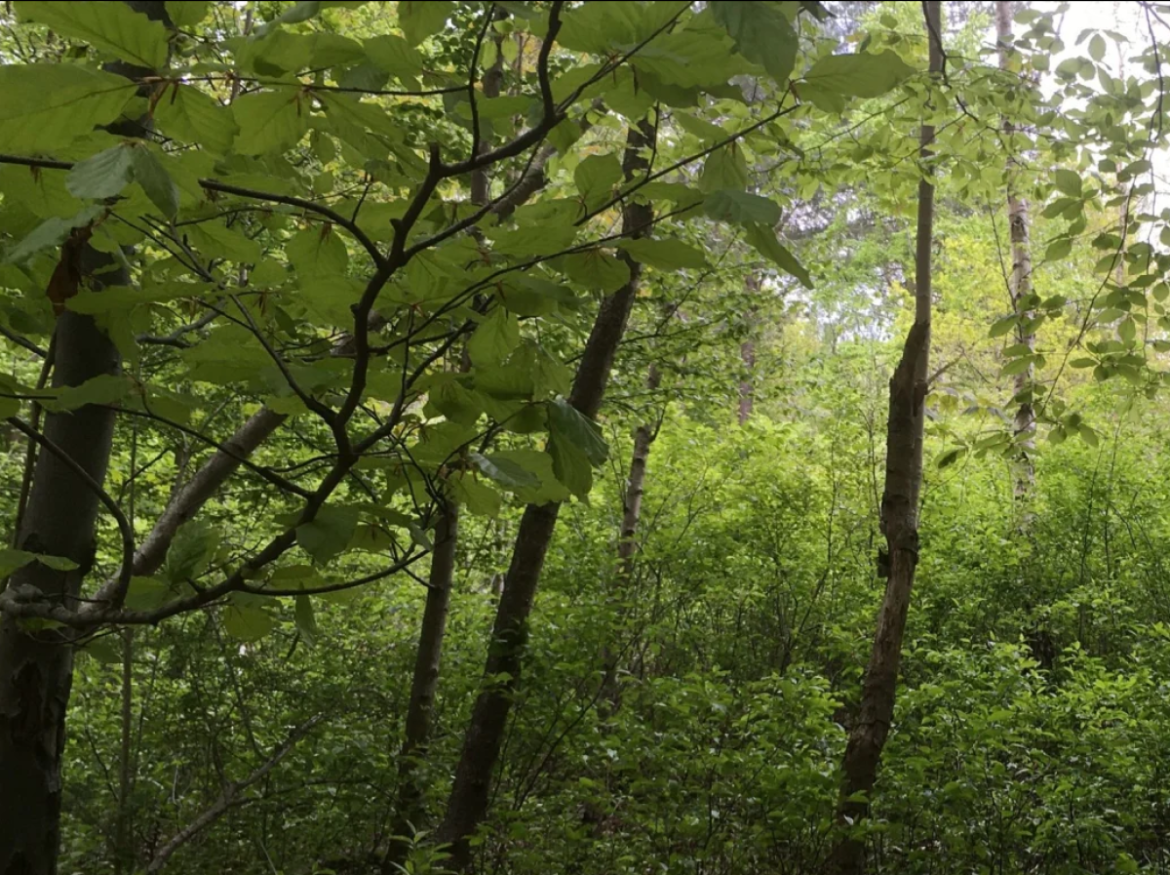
503,437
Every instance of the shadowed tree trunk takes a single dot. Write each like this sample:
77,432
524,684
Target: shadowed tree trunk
628,543
424,684
429,653
747,356
468,802
36,667
1020,281
899,524
636,483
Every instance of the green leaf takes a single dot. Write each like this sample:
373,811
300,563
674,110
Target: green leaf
1058,249
504,471
571,466
328,533
394,55
11,560
741,208
664,254
215,239
185,14
598,28
764,240
597,270
155,181
102,389
494,339
762,34
1068,182
950,457
192,551
306,619
103,175
540,464
51,232
596,177
455,402
724,168
1127,330
111,27
481,500
419,19
271,121
147,593
186,113
1017,366
45,107
104,650
1083,363
283,52
1097,47
863,75
567,422
1002,326
57,563
246,621
318,252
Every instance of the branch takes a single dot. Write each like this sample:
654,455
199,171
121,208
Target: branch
229,798
188,502
22,341
214,185
260,471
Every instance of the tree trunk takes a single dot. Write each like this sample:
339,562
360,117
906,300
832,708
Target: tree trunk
747,353
36,667
636,483
424,685
747,356
468,802
428,656
628,544
899,523
1020,284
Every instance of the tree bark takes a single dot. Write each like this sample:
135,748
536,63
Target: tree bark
425,683
627,544
899,524
1020,281
636,482
189,500
429,653
747,354
467,805
36,667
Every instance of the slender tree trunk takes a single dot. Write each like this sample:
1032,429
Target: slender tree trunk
428,656
636,482
747,354
468,802
123,847
424,685
36,667
899,523
631,516
1020,285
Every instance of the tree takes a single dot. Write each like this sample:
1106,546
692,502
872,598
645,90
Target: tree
1020,282
899,515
